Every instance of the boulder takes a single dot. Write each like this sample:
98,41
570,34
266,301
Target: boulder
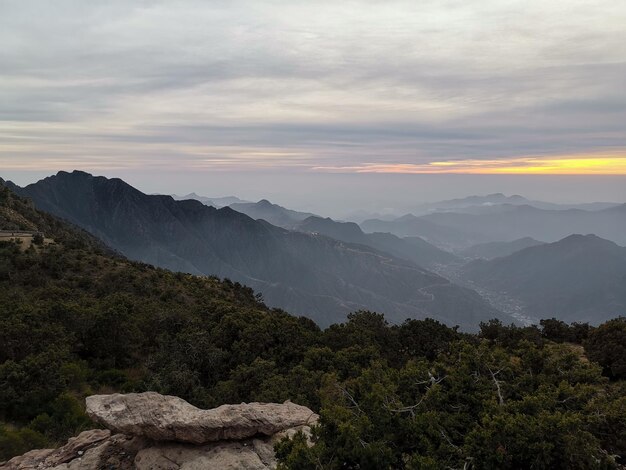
168,418
28,460
76,446
148,431
90,450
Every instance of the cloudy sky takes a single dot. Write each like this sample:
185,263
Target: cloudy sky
314,89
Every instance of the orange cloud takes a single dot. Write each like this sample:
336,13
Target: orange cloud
591,165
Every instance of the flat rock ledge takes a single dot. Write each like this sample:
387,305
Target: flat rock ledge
149,431
166,418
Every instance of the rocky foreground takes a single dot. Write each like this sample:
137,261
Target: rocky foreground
149,431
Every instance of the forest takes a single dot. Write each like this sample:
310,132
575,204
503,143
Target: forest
77,318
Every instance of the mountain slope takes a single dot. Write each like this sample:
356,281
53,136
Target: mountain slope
416,250
303,273
272,213
498,249
579,278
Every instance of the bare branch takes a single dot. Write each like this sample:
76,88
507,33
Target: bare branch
407,409
349,397
497,384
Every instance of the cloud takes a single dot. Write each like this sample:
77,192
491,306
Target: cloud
307,84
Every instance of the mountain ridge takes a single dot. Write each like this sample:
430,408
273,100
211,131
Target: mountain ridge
418,251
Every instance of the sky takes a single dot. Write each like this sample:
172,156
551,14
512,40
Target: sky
307,101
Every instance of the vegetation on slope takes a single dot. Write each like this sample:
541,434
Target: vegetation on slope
76,319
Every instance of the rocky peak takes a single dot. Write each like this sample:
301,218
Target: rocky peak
157,432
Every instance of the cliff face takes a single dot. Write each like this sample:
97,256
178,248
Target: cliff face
148,431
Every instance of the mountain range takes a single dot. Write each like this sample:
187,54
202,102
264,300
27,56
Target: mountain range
469,205
473,203
304,273
579,278
458,231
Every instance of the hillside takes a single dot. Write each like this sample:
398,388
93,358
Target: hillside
77,320
306,274
416,250
579,278
498,249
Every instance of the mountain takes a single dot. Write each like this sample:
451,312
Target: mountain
457,231
498,249
359,216
541,224
272,213
470,201
416,250
411,226
306,274
474,203
579,278
211,201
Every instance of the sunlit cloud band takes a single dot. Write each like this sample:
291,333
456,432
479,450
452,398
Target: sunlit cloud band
519,165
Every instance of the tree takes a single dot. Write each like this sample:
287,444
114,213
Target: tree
38,239
606,345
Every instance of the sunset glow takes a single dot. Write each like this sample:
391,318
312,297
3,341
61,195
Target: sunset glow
524,166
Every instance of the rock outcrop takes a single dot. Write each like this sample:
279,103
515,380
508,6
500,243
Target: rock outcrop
148,431
144,414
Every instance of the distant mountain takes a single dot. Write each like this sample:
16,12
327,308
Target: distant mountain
272,213
472,204
305,274
211,201
498,249
579,278
495,198
527,221
359,216
457,231
417,250
411,226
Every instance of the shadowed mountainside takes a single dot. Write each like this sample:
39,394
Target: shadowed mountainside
414,249
579,278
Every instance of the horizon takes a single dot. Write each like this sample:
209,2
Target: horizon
340,195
